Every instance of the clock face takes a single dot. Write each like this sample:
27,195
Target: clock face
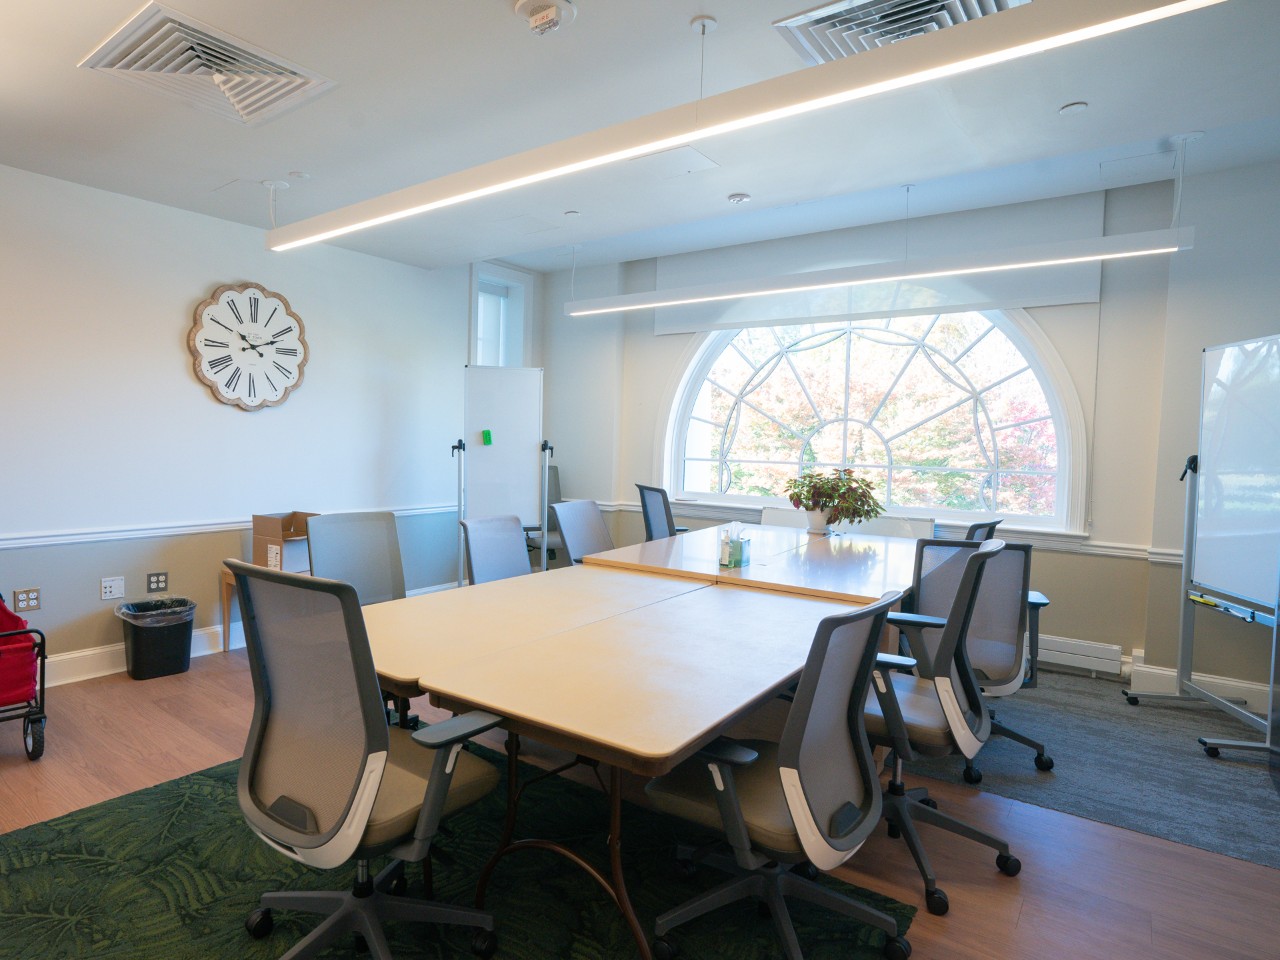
248,346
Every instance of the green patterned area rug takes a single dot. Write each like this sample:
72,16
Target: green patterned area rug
171,872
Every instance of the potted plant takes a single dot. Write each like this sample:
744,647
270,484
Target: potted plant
832,497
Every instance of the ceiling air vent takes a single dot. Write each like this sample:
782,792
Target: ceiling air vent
181,57
838,30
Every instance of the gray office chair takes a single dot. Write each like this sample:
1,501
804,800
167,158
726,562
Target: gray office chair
332,785
495,548
983,529
998,641
938,709
582,528
363,549
554,541
656,507
812,799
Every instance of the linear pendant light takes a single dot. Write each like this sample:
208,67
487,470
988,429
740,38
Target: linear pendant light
1019,32
1023,258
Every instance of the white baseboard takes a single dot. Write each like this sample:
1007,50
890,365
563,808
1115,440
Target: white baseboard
100,661
1145,679
1083,654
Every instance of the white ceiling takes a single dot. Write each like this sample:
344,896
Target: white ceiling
427,87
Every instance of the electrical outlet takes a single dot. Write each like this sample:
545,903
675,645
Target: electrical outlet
157,582
24,601
113,588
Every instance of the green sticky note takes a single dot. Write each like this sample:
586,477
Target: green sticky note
486,437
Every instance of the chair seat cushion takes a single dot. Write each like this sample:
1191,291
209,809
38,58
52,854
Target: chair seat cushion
404,783
994,661
689,793
927,727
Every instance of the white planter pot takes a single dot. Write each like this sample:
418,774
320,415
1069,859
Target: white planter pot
817,521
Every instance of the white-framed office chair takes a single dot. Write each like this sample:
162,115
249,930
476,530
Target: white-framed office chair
938,709
363,549
912,528
495,548
999,641
813,797
582,528
656,508
383,790
783,517
533,538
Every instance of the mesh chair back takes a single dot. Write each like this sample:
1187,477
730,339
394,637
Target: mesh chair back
982,530
361,549
318,739
495,547
828,774
582,528
996,641
656,507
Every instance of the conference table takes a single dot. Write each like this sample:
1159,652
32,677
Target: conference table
637,658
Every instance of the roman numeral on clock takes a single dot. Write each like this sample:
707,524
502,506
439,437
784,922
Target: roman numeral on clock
231,304
283,369
218,364
252,394
234,379
285,351
274,310
215,343
253,309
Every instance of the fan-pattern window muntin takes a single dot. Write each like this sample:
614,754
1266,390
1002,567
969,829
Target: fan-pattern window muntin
945,413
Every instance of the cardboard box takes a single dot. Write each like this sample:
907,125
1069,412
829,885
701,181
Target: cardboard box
280,541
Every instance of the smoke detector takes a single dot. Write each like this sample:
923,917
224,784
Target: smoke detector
546,15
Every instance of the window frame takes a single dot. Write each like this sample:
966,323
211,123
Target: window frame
521,306
1025,334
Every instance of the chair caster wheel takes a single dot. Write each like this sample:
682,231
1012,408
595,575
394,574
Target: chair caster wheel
929,802
1008,864
1043,762
806,870
1132,700
972,775
484,944
1212,752
398,887
936,902
259,923
897,948
664,949
894,832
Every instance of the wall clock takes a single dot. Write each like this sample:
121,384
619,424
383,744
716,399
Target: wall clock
248,345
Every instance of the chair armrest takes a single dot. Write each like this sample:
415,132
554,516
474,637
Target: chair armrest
913,626
1037,599
895,662
727,750
894,724
455,729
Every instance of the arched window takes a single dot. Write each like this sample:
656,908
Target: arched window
948,414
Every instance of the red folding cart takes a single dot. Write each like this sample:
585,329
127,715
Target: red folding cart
22,659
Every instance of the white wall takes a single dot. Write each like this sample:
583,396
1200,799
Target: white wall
98,295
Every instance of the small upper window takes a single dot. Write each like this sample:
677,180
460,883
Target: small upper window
945,413
499,317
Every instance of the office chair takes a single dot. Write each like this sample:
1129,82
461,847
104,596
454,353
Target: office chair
813,798
554,541
495,548
938,709
582,528
783,517
983,529
656,507
332,785
998,641
912,528
363,549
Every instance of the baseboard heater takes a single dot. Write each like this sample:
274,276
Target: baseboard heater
1084,654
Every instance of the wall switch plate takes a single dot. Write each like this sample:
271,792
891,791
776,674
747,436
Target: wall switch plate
157,582
113,588
24,601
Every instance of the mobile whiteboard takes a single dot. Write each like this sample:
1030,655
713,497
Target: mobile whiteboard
503,476
1237,532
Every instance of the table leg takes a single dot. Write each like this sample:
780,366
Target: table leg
615,885
228,585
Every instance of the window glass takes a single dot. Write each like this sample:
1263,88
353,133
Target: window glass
945,414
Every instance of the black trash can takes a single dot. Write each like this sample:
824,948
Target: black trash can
157,636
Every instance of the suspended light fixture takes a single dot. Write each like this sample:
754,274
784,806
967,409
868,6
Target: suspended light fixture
1013,34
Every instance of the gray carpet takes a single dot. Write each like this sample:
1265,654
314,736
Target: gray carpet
1137,767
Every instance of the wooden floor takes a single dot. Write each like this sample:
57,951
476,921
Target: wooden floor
1086,890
